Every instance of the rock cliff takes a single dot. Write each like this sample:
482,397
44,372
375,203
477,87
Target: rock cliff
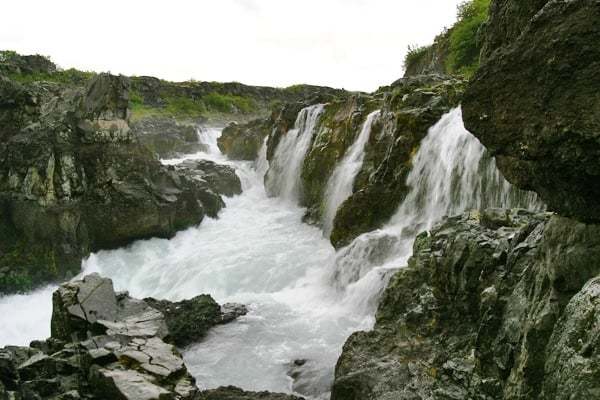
535,100
74,179
498,305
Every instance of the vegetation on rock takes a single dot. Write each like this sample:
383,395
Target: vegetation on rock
456,50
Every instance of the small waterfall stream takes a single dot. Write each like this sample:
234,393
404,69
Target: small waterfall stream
339,186
304,299
283,177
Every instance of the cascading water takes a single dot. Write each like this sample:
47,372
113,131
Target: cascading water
339,186
260,253
283,178
452,173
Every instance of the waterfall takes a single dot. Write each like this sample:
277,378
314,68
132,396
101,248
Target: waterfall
304,299
340,184
452,173
283,177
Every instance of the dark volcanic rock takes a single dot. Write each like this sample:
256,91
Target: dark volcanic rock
73,180
167,137
219,178
535,101
484,312
189,320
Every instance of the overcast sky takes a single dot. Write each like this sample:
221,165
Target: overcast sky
352,44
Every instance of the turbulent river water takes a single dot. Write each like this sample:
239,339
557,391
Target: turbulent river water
304,299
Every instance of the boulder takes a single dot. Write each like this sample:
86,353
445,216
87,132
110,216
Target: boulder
219,178
243,141
535,100
189,320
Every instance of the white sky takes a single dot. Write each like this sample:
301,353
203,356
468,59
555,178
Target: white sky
352,44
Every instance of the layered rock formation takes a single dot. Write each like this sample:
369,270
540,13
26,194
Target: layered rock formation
107,345
74,179
491,306
535,101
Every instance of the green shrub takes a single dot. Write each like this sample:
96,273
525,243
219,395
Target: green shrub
415,55
464,46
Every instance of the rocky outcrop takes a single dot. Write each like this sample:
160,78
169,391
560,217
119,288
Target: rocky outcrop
219,178
491,306
430,59
168,137
107,345
73,179
243,141
188,321
535,100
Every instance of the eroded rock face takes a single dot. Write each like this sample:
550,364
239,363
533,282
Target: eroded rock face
491,306
74,179
107,345
535,101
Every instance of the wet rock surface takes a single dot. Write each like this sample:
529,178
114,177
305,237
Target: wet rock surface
107,345
485,311
534,101
219,178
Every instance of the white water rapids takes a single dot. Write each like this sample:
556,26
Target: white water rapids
304,300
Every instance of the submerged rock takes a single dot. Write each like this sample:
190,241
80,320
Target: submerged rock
484,311
107,345
534,101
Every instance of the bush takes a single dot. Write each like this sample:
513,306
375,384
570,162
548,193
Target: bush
464,48
415,55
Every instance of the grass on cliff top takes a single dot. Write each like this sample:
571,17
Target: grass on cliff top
68,77
186,107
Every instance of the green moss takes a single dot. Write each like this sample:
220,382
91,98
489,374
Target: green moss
463,57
